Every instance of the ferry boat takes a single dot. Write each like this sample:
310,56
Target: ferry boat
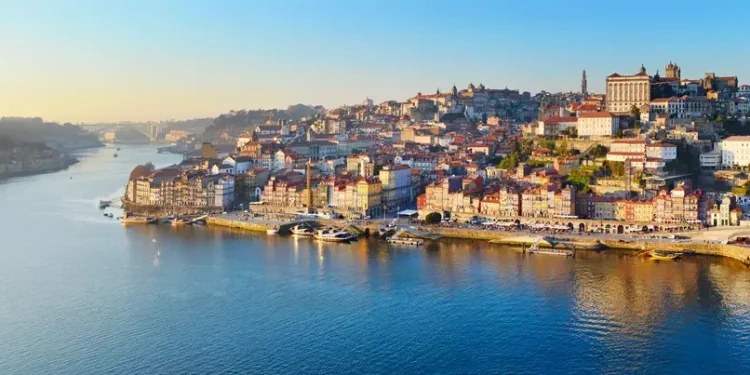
664,255
301,230
535,249
334,235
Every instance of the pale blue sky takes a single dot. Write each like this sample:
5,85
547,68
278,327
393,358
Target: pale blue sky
107,60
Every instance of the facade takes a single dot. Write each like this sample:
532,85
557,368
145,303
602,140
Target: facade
598,124
396,186
735,151
624,92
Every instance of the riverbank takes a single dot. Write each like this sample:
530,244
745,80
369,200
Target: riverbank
739,253
22,171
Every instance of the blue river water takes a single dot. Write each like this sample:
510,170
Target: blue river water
81,294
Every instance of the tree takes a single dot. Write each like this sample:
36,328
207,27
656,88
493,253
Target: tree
598,151
739,191
635,112
141,170
619,133
433,218
563,149
580,178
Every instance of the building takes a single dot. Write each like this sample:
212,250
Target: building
624,92
396,186
551,126
735,150
597,124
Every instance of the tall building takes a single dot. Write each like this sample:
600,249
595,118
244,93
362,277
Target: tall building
584,85
624,92
672,71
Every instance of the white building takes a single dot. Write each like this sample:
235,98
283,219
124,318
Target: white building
735,151
674,107
665,151
224,192
396,185
711,159
597,124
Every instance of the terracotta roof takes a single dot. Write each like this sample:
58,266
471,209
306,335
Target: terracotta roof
596,115
559,119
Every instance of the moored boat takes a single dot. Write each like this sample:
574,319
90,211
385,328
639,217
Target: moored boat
334,235
132,219
535,249
664,255
272,231
301,230
405,241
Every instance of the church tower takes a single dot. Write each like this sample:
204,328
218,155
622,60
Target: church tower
672,71
584,85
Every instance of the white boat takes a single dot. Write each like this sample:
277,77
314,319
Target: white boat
302,230
334,235
272,231
535,249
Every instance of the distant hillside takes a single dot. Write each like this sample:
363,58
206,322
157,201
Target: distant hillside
237,122
34,129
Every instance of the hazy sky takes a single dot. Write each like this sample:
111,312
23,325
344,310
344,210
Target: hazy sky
107,60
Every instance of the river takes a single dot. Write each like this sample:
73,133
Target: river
81,294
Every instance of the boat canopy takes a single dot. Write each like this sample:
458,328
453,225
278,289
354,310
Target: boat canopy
407,213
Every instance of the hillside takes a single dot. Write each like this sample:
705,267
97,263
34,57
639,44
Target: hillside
61,137
237,122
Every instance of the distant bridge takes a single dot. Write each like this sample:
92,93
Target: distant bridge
150,130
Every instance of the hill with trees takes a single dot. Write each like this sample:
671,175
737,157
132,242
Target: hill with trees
238,122
34,129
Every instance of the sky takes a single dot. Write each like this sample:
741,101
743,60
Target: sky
112,60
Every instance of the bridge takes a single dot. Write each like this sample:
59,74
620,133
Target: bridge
150,129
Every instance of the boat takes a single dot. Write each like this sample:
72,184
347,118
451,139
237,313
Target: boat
535,249
334,235
405,241
115,155
272,231
118,149
302,230
664,255
176,222
132,219
103,204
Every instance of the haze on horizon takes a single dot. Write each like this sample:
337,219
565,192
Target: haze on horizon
92,61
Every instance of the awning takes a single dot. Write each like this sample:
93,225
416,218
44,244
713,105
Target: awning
407,213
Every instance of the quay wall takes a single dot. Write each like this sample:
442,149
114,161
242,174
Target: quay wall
512,238
153,210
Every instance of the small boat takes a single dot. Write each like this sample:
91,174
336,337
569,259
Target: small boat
272,231
664,255
176,222
103,204
535,249
301,230
118,149
334,235
115,155
132,219
405,241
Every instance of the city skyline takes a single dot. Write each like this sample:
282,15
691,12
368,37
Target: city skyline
93,62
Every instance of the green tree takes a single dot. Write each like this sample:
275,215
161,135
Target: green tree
619,133
598,151
635,112
563,149
433,218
